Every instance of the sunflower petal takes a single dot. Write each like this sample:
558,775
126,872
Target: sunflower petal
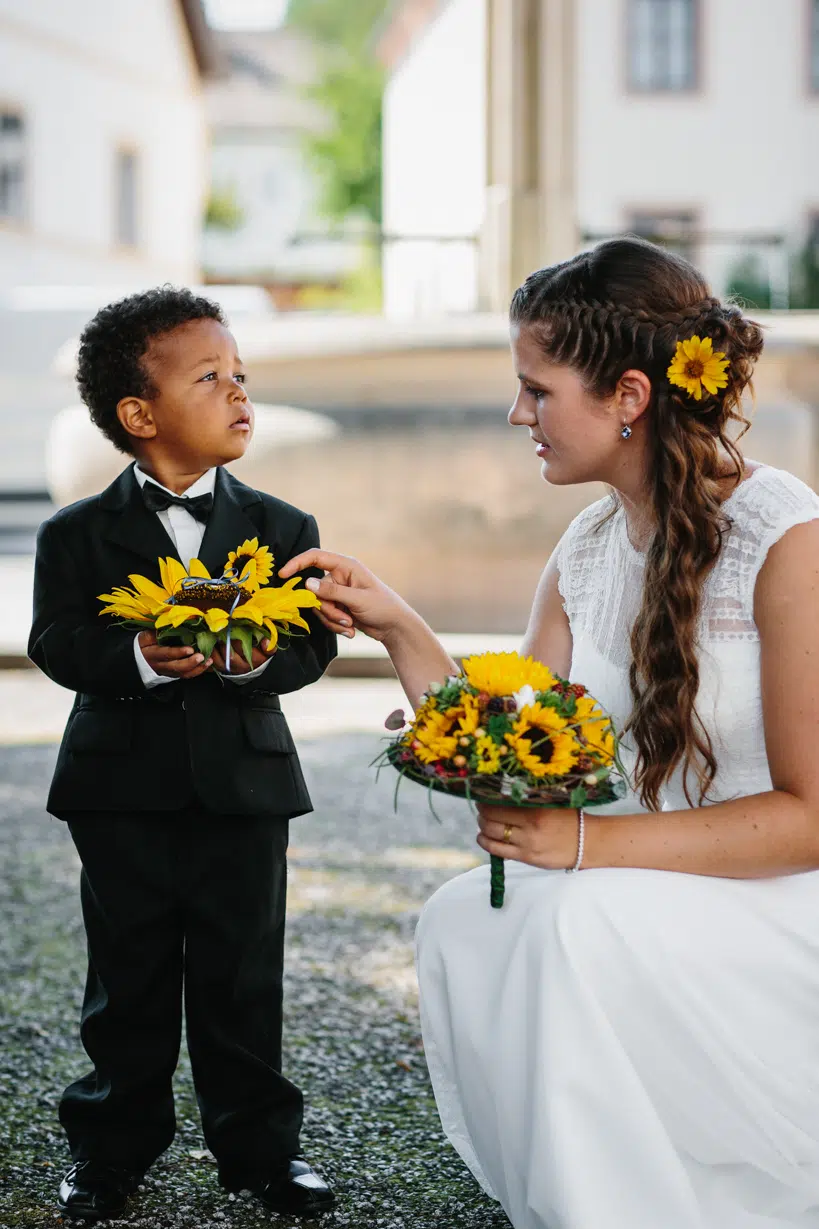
217,620
175,616
172,574
197,568
148,589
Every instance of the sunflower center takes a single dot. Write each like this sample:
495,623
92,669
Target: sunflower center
542,746
213,596
694,369
241,562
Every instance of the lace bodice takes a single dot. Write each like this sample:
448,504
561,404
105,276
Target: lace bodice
601,582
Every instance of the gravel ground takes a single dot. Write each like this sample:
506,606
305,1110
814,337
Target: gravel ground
359,874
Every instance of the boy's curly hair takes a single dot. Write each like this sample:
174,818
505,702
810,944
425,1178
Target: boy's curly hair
114,343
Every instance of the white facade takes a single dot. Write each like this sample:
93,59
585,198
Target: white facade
740,153
434,166
733,158
113,136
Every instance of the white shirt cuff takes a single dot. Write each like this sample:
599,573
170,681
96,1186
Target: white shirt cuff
249,677
149,676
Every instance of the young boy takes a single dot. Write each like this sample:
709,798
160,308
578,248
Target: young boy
176,778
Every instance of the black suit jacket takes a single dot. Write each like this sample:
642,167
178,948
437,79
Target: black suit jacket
128,748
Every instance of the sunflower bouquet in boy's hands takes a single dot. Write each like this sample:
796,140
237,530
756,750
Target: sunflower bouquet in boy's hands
510,732
192,608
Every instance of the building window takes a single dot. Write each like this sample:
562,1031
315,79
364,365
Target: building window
663,40
12,165
127,187
814,46
672,229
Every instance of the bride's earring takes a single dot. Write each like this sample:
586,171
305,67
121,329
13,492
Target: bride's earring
626,432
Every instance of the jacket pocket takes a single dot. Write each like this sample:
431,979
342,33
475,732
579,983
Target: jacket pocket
94,731
266,730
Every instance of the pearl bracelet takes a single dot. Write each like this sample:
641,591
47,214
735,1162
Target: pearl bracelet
581,840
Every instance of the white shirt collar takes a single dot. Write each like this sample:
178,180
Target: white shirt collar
206,485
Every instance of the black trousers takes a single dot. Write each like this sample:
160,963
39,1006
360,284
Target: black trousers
183,904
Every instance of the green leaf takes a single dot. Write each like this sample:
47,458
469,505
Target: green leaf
497,726
206,641
185,635
577,796
243,637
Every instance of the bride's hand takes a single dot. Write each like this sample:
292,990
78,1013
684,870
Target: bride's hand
351,595
541,836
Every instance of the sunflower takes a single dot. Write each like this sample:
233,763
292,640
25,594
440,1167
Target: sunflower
542,742
217,602
488,754
595,727
697,365
250,564
435,738
273,605
146,600
502,674
469,718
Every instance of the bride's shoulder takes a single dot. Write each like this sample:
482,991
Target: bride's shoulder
589,523
768,502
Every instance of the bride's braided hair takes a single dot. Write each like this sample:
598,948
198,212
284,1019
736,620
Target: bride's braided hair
623,306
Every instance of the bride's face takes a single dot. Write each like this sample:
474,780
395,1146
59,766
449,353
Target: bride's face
575,434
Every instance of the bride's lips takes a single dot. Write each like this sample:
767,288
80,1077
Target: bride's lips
542,450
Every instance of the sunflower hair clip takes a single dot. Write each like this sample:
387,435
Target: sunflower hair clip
696,365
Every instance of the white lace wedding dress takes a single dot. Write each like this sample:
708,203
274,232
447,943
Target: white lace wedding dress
634,1049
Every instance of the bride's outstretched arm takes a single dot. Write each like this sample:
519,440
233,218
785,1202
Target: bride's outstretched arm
354,598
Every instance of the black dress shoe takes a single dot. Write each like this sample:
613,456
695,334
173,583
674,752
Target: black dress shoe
93,1191
293,1190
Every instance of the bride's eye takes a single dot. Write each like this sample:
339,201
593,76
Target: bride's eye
537,393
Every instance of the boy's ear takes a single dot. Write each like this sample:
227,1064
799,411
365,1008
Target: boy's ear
136,417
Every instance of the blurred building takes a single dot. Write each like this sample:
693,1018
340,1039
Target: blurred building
517,131
263,224
102,140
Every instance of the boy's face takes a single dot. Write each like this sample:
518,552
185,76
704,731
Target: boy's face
201,415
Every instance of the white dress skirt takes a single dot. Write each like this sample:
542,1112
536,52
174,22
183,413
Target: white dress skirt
639,1049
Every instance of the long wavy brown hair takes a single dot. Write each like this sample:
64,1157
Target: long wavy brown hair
625,305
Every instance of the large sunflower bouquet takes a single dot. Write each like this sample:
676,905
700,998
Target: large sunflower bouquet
506,730
192,608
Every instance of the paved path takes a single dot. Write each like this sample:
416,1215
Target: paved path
359,875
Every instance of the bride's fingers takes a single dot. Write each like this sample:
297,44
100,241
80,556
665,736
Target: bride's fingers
339,595
327,560
336,613
338,628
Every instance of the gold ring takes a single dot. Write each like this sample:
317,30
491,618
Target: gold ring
507,834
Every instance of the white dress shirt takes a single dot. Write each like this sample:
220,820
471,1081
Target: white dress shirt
186,533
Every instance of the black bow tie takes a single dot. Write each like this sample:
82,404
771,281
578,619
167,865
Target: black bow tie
157,500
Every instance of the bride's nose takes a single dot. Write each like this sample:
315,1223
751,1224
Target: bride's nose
518,415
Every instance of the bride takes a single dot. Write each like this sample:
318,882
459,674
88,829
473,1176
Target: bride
636,1046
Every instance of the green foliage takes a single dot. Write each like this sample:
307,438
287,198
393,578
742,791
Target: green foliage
806,275
223,211
748,282
335,23
347,156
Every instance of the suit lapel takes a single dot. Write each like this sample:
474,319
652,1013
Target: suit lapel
130,524
229,523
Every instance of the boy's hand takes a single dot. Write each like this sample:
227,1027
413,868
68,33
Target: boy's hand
172,661
238,665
